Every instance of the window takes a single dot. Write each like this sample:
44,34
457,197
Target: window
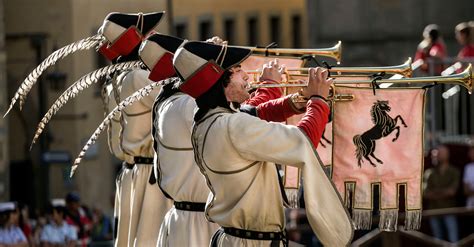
296,28
229,30
252,23
275,29
205,31
181,30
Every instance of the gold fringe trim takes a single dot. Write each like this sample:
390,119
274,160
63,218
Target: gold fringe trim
362,219
292,195
388,220
413,220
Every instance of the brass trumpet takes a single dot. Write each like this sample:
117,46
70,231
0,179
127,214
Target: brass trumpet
332,52
463,79
404,69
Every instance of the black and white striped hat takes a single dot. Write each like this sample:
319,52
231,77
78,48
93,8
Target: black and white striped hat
201,64
156,52
125,32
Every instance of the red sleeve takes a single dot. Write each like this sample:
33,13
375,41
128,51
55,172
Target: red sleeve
277,110
438,50
466,52
314,120
263,95
419,55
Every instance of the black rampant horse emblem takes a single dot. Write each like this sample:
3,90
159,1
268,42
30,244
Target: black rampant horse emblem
325,139
384,125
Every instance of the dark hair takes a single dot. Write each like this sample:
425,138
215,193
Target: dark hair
59,209
4,217
72,197
434,34
168,89
213,97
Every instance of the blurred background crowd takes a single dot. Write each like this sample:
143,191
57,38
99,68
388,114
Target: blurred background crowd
63,222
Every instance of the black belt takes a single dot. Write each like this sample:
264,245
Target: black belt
255,235
143,160
190,206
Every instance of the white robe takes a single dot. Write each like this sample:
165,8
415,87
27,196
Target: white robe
237,154
179,176
148,204
123,182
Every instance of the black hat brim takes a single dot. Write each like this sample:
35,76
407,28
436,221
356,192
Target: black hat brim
170,43
233,55
150,20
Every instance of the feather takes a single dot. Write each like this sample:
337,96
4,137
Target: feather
77,87
27,84
138,95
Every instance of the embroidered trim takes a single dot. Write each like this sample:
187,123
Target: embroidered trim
222,172
136,114
174,148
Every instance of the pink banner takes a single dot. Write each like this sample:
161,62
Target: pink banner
378,139
324,148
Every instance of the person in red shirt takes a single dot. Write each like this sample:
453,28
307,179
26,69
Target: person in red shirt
76,215
432,46
464,36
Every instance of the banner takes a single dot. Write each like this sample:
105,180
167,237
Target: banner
378,140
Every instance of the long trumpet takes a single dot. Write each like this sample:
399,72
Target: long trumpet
463,79
404,69
332,52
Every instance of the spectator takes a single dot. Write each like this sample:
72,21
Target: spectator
441,184
77,216
102,229
58,232
432,46
464,36
23,222
468,179
10,234
38,226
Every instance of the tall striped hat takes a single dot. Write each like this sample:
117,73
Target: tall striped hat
156,52
125,32
200,65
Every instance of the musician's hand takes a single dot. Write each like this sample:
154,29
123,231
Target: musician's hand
272,71
318,83
216,40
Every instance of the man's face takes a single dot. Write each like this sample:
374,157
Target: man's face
15,216
440,155
57,216
471,153
461,38
236,90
